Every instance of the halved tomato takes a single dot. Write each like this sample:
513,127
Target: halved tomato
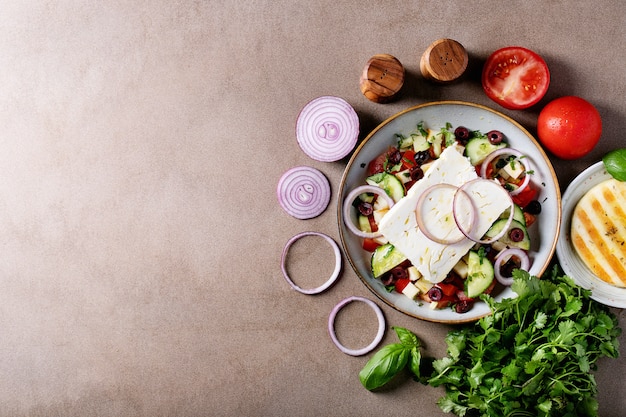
515,77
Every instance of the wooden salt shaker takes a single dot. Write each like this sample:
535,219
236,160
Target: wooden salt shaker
444,61
382,78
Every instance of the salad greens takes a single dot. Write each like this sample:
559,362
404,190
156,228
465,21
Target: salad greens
533,356
615,164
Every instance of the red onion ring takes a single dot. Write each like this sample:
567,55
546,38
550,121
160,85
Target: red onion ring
333,277
303,192
421,223
504,256
377,338
468,233
508,151
327,128
347,205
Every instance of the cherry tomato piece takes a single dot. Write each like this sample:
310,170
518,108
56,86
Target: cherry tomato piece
401,284
448,289
377,165
525,196
370,244
408,159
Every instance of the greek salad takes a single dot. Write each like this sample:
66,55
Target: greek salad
445,214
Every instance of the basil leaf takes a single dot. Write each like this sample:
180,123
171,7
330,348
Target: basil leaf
615,164
407,337
384,365
415,362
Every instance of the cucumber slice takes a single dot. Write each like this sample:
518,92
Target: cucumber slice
364,224
480,274
385,258
518,215
405,142
478,148
392,185
436,141
367,197
420,143
497,227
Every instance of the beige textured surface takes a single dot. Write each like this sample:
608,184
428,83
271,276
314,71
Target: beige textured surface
140,147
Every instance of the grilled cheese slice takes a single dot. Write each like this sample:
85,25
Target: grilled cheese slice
598,231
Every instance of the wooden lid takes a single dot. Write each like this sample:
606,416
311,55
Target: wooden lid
444,61
382,78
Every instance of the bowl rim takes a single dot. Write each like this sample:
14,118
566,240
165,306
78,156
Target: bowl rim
607,294
540,150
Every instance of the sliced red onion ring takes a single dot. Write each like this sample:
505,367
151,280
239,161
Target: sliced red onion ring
421,218
347,205
333,277
303,192
377,338
504,256
327,128
508,151
482,183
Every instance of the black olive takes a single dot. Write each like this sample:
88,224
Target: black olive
395,156
399,273
462,134
388,279
462,306
366,208
435,294
516,234
506,270
416,173
421,157
534,207
501,163
495,137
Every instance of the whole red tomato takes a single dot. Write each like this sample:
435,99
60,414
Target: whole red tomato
569,127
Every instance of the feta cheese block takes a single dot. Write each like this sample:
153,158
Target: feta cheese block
399,226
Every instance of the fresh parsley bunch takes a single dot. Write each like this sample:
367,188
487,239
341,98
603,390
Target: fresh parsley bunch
533,356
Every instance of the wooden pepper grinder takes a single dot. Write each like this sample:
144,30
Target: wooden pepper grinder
382,78
444,61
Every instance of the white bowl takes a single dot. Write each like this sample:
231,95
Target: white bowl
475,117
571,263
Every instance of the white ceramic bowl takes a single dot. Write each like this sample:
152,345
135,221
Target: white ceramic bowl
571,263
475,117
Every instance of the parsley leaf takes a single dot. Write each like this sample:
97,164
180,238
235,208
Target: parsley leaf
532,356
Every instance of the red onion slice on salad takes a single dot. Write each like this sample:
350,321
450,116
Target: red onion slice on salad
483,184
347,205
503,257
423,216
520,157
303,192
379,334
327,128
333,277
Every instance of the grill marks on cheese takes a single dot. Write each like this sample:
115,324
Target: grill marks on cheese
598,231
